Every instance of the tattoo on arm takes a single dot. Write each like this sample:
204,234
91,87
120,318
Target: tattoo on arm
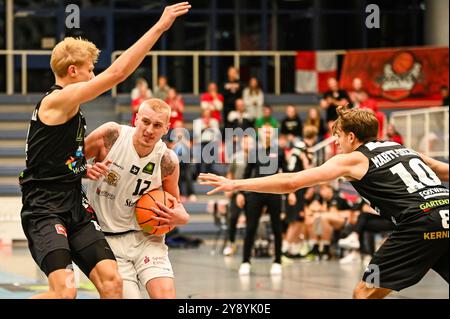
167,164
110,137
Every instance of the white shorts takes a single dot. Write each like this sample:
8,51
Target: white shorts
141,257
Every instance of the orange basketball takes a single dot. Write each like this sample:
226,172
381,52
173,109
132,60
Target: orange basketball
144,213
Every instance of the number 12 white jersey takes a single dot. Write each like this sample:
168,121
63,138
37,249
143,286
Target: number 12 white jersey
113,197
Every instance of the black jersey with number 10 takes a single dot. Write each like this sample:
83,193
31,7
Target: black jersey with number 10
398,184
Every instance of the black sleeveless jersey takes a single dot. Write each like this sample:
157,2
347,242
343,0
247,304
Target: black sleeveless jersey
398,184
54,153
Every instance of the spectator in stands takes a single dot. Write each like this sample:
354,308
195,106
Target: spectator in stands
239,117
212,101
209,136
139,94
296,160
393,135
232,90
237,199
444,95
267,118
314,118
161,91
253,98
366,102
332,99
176,104
357,87
292,126
332,213
367,223
181,146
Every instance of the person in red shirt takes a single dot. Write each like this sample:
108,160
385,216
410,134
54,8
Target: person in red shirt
139,94
176,104
393,135
213,101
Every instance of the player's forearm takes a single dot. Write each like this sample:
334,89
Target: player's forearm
276,184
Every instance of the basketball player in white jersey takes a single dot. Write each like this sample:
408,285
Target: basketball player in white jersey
140,162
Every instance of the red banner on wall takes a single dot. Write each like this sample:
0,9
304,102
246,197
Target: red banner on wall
398,74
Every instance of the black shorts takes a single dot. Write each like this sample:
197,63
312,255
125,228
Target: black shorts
293,211
60,217
413,248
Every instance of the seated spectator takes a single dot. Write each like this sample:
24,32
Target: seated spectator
212,101
332,214
366,102
239,117
314,118
357,87
253,98
267,118
209,136
444,95
139,94
393,135
368,222
292,125
161,91
332,99
180,144
176,104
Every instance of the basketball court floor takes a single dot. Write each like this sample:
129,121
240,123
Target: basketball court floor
200,274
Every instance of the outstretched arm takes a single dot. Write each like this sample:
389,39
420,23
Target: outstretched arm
75,94
440,168
353,165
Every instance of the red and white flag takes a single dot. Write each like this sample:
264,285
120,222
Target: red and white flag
312,69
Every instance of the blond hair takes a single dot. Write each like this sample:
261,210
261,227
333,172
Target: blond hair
361,122
72,51
157,105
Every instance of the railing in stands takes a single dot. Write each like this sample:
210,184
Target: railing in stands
319,151
424,130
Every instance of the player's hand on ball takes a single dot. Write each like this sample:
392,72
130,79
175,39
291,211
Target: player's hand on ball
171,13
170,217
221,184
98,170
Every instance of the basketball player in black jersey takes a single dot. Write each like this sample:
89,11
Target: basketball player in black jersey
399,184
56,218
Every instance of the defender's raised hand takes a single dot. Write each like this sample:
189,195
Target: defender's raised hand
221,184
171,13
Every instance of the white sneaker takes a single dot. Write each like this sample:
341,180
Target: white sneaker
352,257
244,269
349,242
230,250
276,269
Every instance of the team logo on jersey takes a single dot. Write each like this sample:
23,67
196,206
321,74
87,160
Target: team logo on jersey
72,162
106,194
60,229
134,170
149,168
112,178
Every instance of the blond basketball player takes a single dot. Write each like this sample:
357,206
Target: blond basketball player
55,216
140,162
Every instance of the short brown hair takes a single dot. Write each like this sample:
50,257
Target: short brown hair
72,51
361,122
